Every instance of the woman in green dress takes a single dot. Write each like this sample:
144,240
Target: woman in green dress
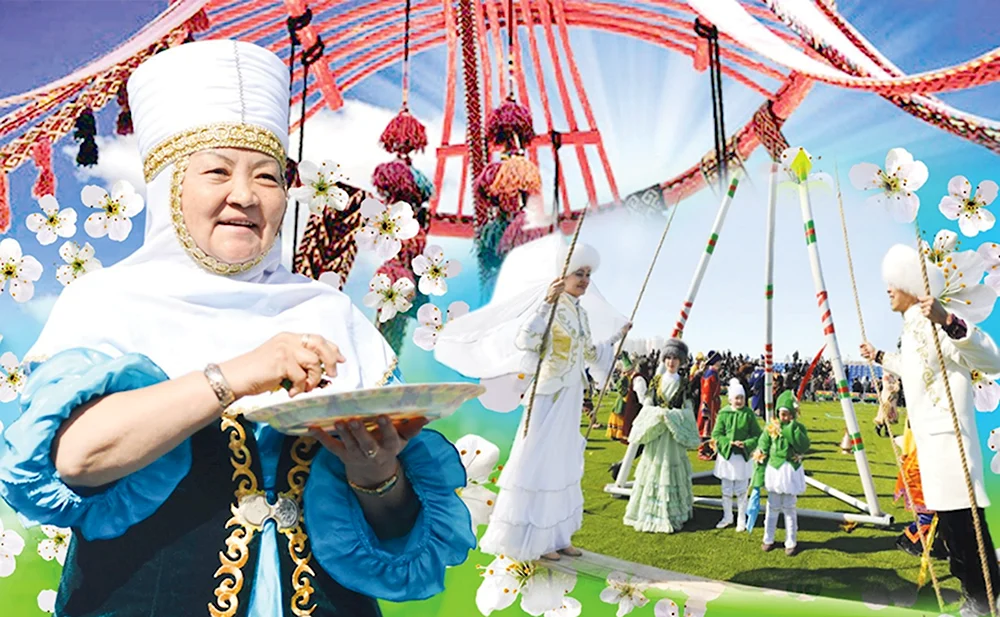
662,499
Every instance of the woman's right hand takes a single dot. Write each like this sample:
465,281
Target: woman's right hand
555,290
301,359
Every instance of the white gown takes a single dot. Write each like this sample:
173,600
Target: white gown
540,505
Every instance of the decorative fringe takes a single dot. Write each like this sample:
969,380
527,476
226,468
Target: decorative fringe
516,175
404,135
395,182
5,217
510,126
483,183
423,183
515,235
125,115
41,154
85,131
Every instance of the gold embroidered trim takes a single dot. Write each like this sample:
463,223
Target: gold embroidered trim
298,548
388,372
237,545
220,135
202,258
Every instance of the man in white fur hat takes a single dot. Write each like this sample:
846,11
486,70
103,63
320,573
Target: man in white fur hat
965,347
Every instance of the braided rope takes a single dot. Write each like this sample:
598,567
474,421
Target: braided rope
475,142
548,326
976,523
635,309
896,455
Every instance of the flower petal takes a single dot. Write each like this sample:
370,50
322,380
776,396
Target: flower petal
308,172
429,315
865,176
371,208
47,601
968,225
380,283
959,188
571,607
35,222
945,241
93,196
479,500
896,158
65,274
11,543
46,236
913,175
421,265
457,309
950,207
21,290
425,338
119,227
48,204
31,269
904,206
372,299
986,394
408,228
133,205
503,394
479,457
96,225
434,253
433,286
973,304
666,608
386,312
496,592
387,247
452,268
404,286
86,252
986,192
9,362
10,250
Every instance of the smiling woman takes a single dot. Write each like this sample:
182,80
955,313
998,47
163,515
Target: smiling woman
131,435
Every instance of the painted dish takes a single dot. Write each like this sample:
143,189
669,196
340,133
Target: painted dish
401,403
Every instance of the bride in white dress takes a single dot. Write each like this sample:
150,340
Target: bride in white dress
540,505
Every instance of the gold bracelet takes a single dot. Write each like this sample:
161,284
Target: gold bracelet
379,490
220,386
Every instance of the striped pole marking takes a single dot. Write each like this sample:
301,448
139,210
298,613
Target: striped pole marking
810,233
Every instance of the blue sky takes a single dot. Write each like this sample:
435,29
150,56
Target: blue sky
654,112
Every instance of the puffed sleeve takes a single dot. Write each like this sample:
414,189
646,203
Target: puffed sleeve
402,569
532,332
29,481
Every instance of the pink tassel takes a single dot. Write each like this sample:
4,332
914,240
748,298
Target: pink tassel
4,204
125,114
510,126
41,154
515,235
484,182
516,175
395,182
404,135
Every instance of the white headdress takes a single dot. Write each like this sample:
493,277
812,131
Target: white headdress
169,300
735,389
901,270
481,343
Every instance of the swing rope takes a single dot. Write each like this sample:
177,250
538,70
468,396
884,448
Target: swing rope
548,326
635,309
897,456
976,523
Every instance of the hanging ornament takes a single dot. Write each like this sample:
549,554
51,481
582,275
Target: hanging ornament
404,135
510,125
516,176
124,124
85,131
395,182
41,154
4,203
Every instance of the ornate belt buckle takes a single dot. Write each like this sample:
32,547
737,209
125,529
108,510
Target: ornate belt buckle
255,510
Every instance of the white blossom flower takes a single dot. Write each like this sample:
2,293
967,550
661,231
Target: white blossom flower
479,457
116,210
896,186
990,252
56,544
386,227
985,392
19,270
319,188
47,601
666,608
571,607
11,545
962,293
945,243
55,223
971,212
387,297
79,261
433,269
429,317
12,377
699,594
625,592
541,589
994,443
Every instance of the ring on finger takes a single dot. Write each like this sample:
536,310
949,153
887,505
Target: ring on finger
372,453
305,340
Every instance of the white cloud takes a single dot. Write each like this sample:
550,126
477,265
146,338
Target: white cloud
118,159
40,307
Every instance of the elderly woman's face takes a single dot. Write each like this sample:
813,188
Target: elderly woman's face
578,281
233,202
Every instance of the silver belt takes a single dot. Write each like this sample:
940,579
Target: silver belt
255,510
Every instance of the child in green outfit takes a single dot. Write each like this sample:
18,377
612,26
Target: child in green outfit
778,459
734,438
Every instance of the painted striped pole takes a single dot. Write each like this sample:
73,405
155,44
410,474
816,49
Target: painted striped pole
833,353
720,218
772,198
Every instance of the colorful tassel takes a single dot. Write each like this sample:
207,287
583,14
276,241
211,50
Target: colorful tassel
482,184
41,154
516,175
487,244
395,182
404,135
510,126
5,216
423,183
515,235
124,124
85,131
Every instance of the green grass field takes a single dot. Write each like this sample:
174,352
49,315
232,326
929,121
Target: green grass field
831,561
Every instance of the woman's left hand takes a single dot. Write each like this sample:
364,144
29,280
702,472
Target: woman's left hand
369,461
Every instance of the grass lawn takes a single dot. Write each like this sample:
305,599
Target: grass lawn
831,562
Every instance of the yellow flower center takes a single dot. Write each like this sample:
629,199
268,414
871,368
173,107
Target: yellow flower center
321,186
891,184
53,220
970,206
9,270
112,207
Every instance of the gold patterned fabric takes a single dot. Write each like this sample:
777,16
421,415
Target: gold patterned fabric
220,135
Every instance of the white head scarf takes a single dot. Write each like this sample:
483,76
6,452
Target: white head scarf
481,343
170,301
